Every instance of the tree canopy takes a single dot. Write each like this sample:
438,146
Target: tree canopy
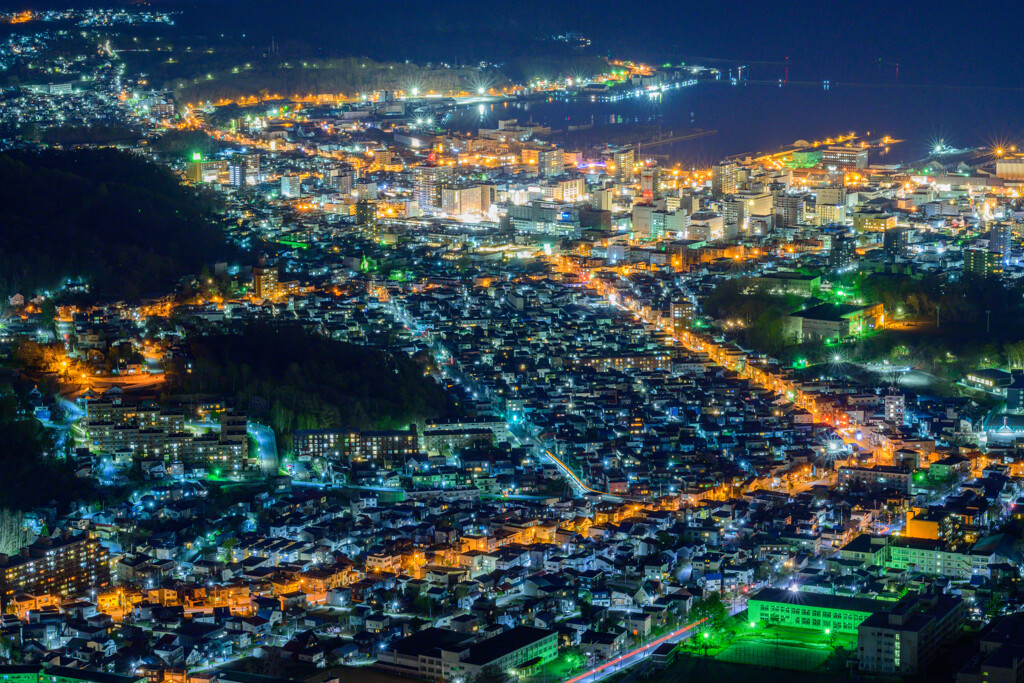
110,218
298,379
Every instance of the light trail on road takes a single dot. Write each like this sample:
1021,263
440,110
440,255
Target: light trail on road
639,650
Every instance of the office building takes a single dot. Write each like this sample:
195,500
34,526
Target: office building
844,159
551,218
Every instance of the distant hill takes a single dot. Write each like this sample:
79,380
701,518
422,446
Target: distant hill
113,219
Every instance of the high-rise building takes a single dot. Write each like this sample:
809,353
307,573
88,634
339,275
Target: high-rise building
681,313
789,211
602,199
264,281
624,161
427,182
551,162
642,219
366,213
650,183
830,195
65,565
253,167
842,253
1000,239
723,179
894,244
895,409
571,190
233,427
291,186
236,174
982,263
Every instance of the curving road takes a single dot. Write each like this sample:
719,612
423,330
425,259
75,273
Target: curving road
266,446
633,657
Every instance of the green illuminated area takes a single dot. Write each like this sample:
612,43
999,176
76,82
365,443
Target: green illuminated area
740,640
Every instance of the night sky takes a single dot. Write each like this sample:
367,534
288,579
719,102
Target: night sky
935,43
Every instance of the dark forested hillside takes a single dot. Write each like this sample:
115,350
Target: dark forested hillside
110,218
300,380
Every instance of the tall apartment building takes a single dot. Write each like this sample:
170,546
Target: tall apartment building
982,263
667,224
68,565
474,199
895,409
624,160
843,252
427,182
132,432
291,186
264,281
789,211
906,638
1000,239
551,162
236,174
569,190
723,179
602,199
830,214
895,244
